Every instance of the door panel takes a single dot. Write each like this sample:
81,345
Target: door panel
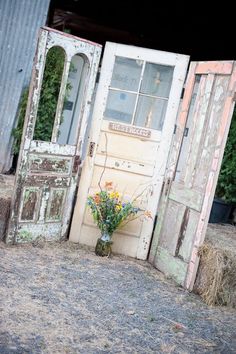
47,172
193,169
133,122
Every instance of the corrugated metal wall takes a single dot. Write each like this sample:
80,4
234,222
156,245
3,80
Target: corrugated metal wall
19,24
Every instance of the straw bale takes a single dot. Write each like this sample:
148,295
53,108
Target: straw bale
216,277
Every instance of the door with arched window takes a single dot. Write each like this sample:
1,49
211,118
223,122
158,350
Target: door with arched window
61,89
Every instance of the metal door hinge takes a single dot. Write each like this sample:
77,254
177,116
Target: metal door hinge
77,162
167,186
98,77
186,132
91,148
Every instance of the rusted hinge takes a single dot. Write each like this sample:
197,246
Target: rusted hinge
98,77
186,131
167,186
91,148
77,162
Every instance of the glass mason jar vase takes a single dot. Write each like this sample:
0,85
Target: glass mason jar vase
103,246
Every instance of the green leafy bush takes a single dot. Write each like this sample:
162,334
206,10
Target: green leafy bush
49,94
48,100
17,132
226,186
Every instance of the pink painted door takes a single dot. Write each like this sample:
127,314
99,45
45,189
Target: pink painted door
194,164
51,146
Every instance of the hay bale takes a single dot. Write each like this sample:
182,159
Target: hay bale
216,277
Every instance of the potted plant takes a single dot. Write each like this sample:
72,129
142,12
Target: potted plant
225,196
109,213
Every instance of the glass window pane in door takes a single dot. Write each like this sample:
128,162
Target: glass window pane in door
157,80
150,112
75,89
126,74
120,106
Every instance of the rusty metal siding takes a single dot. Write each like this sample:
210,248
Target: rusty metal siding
19,24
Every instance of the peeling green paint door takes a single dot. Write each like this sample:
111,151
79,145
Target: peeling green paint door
193,168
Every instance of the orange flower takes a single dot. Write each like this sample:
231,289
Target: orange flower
109,185
97,199
148,214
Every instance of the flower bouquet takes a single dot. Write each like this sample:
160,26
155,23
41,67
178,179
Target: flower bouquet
109,213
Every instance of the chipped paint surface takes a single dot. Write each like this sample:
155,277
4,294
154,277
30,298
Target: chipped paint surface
186,205
55,205
45,181
29,203
48,164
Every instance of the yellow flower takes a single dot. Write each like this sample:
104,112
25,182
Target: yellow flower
118,207
114,195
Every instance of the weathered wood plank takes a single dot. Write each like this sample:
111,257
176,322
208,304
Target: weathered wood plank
56,204
42,147
30,199
211,127
40,164
171,226
125,165
171,266
214,67
187,196
188,237
199,118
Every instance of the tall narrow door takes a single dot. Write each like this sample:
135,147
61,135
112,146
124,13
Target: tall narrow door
133,123
193,169
61,88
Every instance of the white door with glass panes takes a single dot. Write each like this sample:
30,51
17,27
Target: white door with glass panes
132,126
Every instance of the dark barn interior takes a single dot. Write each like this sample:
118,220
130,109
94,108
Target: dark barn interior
202,31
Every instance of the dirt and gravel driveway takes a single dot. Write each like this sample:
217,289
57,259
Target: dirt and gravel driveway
59,298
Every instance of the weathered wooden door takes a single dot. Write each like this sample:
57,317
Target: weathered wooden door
193,169
49,159
133,123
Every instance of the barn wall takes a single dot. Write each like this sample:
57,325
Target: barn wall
19,25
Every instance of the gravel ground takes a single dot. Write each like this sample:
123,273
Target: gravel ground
61,298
